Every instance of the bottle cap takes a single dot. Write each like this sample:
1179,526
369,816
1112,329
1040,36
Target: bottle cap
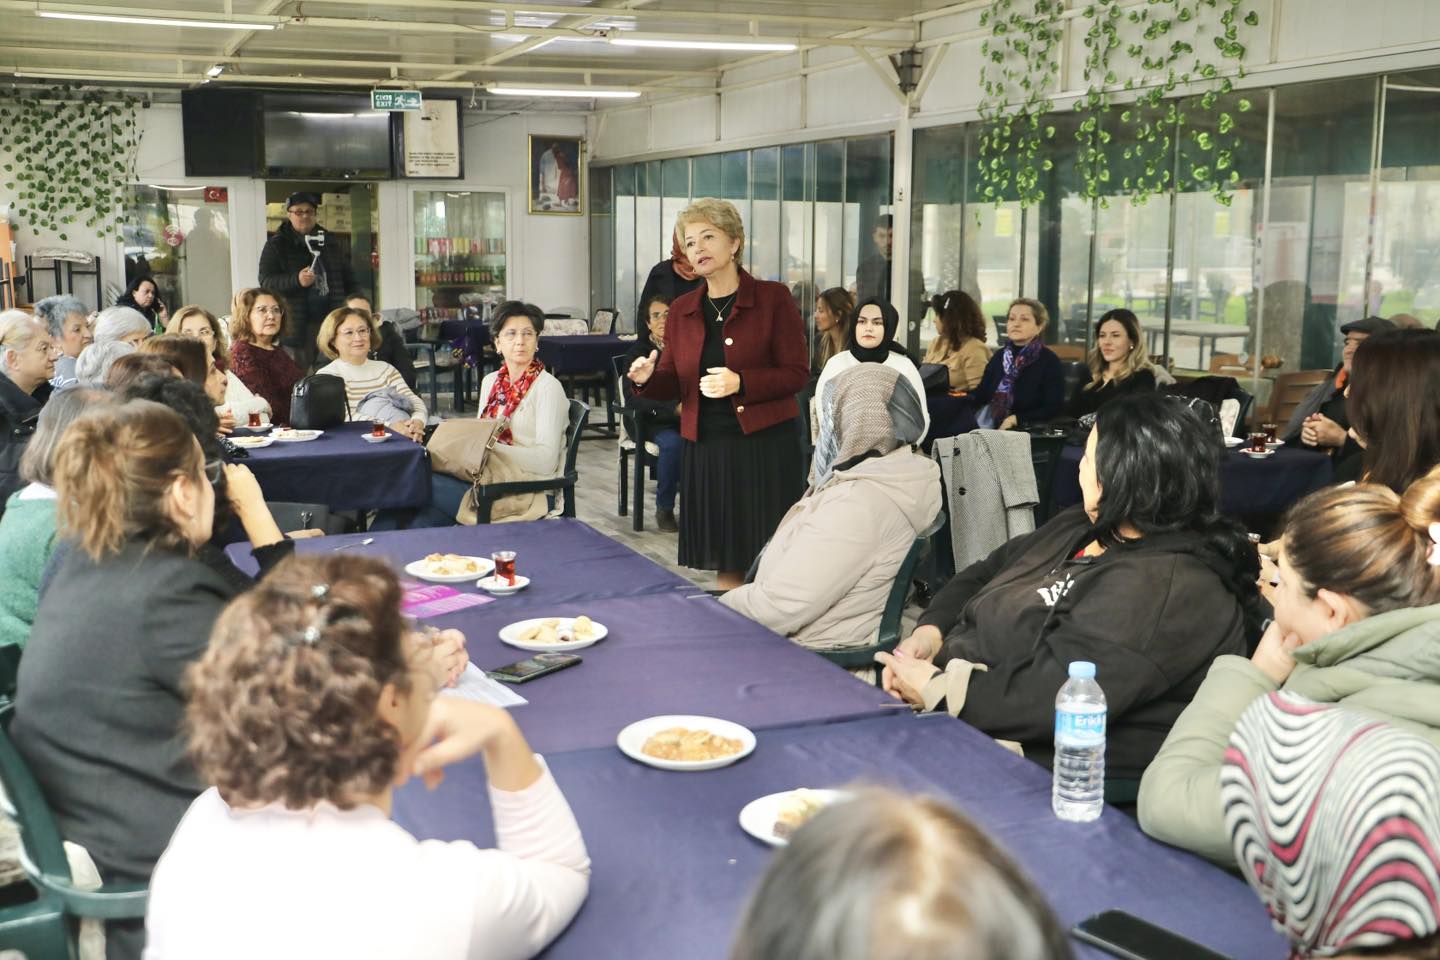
1082,670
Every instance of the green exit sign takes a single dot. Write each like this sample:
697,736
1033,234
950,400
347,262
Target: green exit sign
395,99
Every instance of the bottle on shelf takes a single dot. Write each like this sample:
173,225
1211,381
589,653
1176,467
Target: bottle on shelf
1078,783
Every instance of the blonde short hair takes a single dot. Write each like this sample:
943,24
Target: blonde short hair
720,213
330,329
1042,316
178,318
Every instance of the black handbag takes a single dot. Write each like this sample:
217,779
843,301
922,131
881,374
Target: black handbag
318,402
935,377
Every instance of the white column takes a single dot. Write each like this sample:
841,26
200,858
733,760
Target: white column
900,293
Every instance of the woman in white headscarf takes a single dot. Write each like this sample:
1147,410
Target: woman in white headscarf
825,575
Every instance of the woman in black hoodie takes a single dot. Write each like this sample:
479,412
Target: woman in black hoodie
1145,579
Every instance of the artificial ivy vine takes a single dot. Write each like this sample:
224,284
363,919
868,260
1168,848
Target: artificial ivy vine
72,156
1148,143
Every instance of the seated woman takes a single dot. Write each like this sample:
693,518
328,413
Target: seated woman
1357,622
1118,364
68,322
1145,579
824,578
959,341
125,612
121,323
27,531
97,360
886,876
258,317
661,418
27,364
1024,384
133,365
872,340
237,399
1340,838
186,354
347,336
833,310
389,344
143,296
1394,409
313,671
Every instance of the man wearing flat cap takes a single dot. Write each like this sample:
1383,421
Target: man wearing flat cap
1321,421
306,266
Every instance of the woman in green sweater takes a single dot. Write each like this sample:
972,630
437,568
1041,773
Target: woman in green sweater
27,530
1357,623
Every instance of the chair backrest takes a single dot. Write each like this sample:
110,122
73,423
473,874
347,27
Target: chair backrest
604,320
619,365
890,620
41,847
1074,352
1290,391
579,413
9,669
1076,373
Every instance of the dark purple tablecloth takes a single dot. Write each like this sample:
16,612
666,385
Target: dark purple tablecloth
672,868
949,416
343,472
671,648
581,354
1247,486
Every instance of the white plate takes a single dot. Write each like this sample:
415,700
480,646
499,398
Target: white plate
1274,444
252,443
1258,456
421,568
632,739
371,438
500,588
1233,442
295,436
757,817
511,634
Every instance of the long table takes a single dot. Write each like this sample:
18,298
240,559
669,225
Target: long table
671,866
343,472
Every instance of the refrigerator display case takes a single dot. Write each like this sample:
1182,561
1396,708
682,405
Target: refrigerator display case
460,257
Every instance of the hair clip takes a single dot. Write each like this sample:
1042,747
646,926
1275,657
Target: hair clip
1433,554
320,590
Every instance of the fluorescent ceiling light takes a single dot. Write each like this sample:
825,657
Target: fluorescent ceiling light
156,21
518,35
703,44
580,93
215,71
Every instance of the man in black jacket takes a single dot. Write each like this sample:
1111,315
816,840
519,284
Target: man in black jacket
304,265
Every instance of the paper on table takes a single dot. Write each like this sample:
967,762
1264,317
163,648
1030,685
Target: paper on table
474,685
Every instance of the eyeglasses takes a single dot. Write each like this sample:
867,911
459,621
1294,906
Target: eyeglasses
269,311
510,336
214,470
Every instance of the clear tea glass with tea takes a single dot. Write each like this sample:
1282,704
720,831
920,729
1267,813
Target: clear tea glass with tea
1272,431
504,566
377,428
255,418
1257,443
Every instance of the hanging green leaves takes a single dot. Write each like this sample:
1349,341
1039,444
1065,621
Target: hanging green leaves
1162,48
73,157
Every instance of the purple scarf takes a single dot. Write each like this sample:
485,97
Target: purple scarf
1015,361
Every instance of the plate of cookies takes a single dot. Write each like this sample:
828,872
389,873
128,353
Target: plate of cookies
553,633
772,819
449,568
681,742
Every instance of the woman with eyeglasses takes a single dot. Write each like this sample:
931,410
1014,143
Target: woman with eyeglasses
126,609
27,364
257,320
389,345
238,400
348,336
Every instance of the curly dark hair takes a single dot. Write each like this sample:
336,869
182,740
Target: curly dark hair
274,716
516,308
960,317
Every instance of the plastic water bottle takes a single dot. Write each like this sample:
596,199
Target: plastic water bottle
1078,792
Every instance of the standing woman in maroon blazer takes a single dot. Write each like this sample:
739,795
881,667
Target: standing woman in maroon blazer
734,357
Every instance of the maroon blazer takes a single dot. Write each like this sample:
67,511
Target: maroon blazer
764,343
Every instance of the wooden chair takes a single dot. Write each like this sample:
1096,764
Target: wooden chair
487,493
1228,365
1290,391
1072,352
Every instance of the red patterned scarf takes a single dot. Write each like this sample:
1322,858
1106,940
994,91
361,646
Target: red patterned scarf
506,395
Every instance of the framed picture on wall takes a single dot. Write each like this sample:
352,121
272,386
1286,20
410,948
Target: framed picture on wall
555,175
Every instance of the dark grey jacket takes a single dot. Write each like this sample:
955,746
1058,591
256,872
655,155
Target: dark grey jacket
281,260
18,412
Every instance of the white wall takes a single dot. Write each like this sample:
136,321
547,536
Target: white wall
549,260
772,102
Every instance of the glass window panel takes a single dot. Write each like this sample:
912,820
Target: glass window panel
735,175
869,230
1319,215
626,289
763,241
937,216
1405,266
797,239
705,173
829,214
602,239
993,236
197,269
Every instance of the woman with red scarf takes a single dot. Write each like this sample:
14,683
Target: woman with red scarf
532,444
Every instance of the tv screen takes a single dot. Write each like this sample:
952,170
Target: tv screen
221,132
326,136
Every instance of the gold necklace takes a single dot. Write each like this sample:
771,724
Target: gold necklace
719,313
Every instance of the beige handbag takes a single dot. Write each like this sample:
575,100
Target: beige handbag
459,448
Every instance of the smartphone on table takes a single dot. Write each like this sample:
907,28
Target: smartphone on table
532,667
1130,938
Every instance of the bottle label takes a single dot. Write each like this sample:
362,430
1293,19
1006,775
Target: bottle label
1080,728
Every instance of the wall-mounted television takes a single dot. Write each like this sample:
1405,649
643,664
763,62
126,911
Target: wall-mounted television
333,136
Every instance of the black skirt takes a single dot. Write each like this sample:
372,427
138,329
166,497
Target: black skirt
734,490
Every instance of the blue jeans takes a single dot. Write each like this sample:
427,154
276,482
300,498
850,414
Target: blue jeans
445,495
667,472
